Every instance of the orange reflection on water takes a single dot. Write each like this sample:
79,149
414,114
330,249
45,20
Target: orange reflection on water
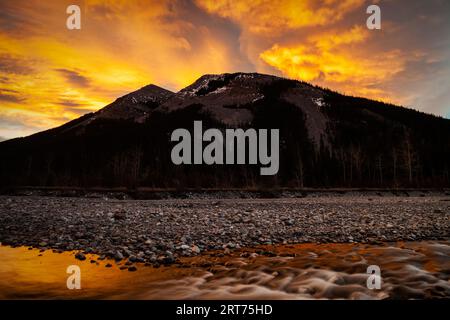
304,271
32,274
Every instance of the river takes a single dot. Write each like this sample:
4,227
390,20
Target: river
409,270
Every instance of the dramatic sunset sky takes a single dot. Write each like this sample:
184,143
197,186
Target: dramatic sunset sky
49,74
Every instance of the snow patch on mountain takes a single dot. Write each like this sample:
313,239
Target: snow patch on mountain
201,84
220,90
318,101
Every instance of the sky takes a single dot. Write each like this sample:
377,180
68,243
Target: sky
50,74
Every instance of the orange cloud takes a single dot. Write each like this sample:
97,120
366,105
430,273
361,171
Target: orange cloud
275,16
330,60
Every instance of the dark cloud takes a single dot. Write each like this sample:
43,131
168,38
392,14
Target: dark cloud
8,95
68,103
10,18
78,108
101,11
24,18
14,65
74,77
11,98
2,90
4,80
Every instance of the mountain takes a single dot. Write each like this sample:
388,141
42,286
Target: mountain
326,140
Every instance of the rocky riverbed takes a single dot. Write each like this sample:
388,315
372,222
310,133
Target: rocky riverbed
161,231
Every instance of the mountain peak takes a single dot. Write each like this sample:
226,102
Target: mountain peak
211,82
136,105
146,94
230,97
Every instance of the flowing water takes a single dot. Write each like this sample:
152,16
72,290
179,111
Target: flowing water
414,270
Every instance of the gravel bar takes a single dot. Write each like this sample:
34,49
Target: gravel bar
160,231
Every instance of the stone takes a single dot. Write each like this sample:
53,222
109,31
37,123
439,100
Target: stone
118,256
195,249
120,215
80,256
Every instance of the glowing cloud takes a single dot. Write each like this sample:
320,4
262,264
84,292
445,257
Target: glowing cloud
327,60
276,16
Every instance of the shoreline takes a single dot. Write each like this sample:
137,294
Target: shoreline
158,232
143,193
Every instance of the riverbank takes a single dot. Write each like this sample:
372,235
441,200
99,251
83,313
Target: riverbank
143,193
159,232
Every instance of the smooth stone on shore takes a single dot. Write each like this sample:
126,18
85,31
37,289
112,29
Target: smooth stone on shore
80,256
118,256
132,269
290,222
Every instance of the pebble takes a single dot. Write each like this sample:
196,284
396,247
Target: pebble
118,256
80,256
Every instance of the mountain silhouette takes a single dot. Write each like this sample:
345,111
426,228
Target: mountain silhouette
326,140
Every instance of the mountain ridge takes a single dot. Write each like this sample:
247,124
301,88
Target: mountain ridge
327,139
165,94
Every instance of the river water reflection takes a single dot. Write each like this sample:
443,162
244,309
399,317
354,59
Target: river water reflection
305,271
